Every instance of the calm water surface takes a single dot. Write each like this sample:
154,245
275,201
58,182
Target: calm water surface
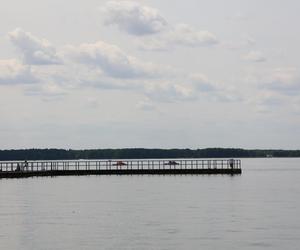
258,210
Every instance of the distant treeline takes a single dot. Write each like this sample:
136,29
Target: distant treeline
140,153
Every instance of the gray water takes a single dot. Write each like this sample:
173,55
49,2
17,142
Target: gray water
256,210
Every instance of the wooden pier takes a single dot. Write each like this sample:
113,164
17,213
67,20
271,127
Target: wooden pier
21,169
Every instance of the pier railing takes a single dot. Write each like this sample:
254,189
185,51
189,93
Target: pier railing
109,165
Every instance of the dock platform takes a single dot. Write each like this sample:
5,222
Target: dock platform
22,169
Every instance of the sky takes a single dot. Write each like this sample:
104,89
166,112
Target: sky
149,73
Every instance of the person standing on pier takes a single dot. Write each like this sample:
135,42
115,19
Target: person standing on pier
25,165
18,167
231,163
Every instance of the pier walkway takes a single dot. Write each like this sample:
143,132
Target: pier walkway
20,169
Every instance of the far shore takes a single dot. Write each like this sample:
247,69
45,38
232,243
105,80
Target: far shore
142,153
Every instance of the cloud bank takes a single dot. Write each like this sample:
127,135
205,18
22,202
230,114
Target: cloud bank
100,65
140,20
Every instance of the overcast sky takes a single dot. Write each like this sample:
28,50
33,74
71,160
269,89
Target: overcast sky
149,73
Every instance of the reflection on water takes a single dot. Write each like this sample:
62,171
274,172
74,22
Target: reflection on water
256,210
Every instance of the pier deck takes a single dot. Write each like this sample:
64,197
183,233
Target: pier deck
21,169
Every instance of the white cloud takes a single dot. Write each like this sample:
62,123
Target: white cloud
267,101
184,34
215,92
49,91
274,90
146,105
14,72
245,42
180,35
285,81
96,79
201,83
255,56
169,91
153,44
35,51
134,18
111,60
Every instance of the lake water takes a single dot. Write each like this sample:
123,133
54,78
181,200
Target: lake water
259,209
